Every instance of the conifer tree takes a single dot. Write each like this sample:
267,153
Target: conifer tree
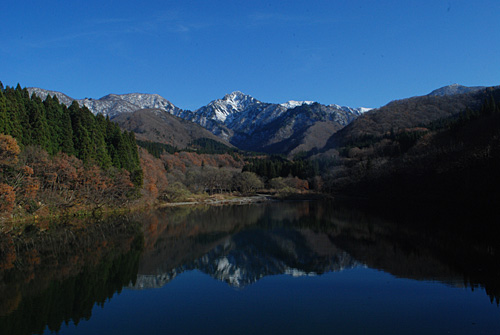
38,123
81,123
3,112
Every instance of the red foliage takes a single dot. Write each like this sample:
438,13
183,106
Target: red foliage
155,176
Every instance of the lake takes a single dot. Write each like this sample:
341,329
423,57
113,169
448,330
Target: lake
272,268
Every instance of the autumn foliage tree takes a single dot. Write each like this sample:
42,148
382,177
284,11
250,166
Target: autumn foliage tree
9,152
54,157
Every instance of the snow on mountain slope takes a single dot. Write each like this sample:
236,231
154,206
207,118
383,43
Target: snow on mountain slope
221,109
292,104
42,94
236,117
356,111
114,104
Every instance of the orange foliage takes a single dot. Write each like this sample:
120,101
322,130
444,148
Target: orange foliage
155,176
9,150
31,187
92,178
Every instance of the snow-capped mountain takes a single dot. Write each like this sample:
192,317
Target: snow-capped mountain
231,104
114,104
42,94
236,117
254,125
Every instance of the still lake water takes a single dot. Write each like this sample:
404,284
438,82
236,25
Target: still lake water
277,268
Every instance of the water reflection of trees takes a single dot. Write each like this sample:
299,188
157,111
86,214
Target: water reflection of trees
50,278
403,244
425,244
59,276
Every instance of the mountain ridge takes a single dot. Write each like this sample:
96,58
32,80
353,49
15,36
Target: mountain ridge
235,118
289,128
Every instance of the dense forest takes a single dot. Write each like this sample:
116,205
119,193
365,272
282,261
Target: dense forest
75,130
452,161
53,156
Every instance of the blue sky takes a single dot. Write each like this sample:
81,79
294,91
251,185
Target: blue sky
355,53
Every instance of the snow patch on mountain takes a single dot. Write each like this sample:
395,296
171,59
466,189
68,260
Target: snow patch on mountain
237,117
221,109
292,104
356,111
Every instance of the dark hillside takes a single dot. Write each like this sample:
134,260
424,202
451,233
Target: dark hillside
407,113
454,161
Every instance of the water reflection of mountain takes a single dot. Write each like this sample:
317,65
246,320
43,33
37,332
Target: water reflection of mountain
59,276
229,244
251,254
241,244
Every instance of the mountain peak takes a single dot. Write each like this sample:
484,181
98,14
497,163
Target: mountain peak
232,103
234,95
238,99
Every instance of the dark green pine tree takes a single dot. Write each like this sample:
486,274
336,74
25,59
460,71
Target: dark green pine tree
98,134
20,126
82,123
113,139
53,114
66,131
136,173
4,121
38,123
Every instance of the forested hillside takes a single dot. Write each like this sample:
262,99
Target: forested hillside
452,161
57,156
405,113
74,130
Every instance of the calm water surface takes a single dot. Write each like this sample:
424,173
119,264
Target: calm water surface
279,268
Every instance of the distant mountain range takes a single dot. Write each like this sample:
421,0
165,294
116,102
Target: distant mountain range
247,123
237,118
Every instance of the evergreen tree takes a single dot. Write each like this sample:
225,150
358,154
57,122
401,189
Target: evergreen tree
98,134
81,122
66,132
38,123
3,112
20,126
74,130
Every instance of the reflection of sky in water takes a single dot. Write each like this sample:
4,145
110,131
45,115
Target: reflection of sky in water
284,268
286,278
354,301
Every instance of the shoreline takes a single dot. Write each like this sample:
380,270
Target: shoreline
243,200
19,224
